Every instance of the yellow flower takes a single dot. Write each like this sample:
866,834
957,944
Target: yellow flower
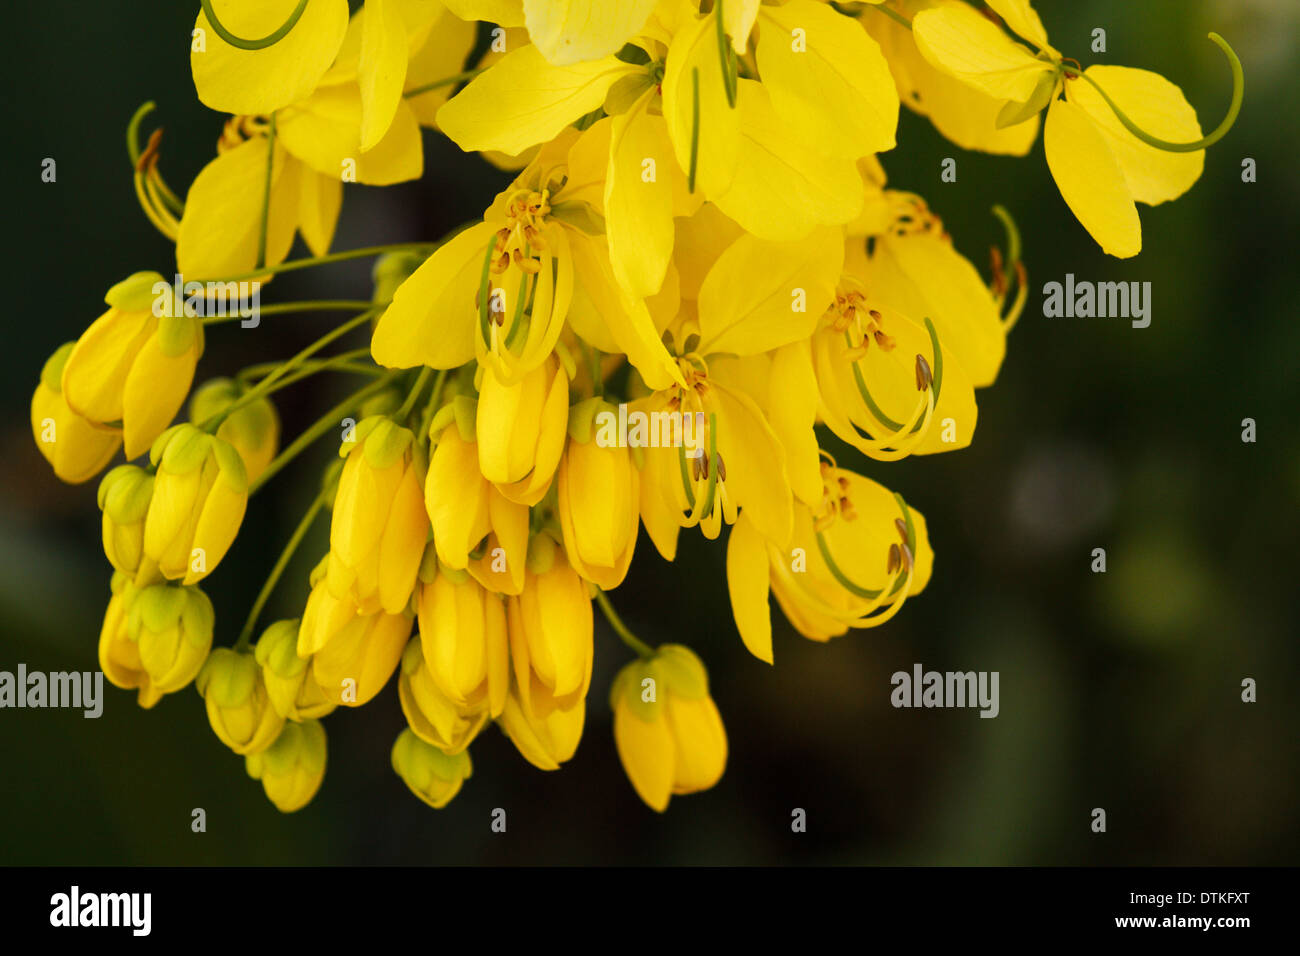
777,156
336,120
379,526
599,491
292,768
520,429
887,385
133,366
239,708
463,638
1101,168
852,561
253,429
172,630
501,290
352,654
550,627
430,714
475,527
430,774
124,497
200,492
667,729
75,448
290,684
119,655
544,739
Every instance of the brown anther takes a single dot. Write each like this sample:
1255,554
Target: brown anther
875,315
894,561
501,263
924,377
722,467
901,525
843,483
703,461
907,559
531,266
150,154
885,342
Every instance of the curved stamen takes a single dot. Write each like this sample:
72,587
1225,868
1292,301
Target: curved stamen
239,42
1238,89
728,59
695,129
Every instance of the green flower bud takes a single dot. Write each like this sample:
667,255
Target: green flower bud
431,775
289,681
239,708
292,768
172,628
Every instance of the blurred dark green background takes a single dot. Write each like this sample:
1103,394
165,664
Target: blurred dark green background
1119,691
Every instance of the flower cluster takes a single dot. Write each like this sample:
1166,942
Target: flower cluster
697,236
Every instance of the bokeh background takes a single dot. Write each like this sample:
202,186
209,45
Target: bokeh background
1118,690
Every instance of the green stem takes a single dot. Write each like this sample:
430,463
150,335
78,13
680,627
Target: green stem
1238,91
445,81
1013,234
343,362
265,386
327,421
266,194
246,635
239,42
293,264
416,389
621,629
286,308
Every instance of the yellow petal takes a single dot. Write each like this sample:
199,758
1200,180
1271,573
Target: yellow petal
761,295
381,72
324,131
638,198
155,389
230,80
755,462
923,275
320,198
647,752
695,50
747,583
698,241
827,79
781,189
701,743
523,100
1155,105
738,18
569,31
94,376
221,227
442,55
970,47
600,305
1091,180
1023,21
508,13
791,411
432,319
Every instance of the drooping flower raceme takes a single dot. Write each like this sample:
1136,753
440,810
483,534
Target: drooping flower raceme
696,305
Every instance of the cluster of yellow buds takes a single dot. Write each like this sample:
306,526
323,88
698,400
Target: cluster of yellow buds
695,280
